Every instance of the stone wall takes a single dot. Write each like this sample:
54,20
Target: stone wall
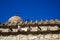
32,37
48,36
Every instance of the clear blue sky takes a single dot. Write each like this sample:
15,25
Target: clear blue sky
30,9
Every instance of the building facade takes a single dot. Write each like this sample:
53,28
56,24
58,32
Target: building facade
16,29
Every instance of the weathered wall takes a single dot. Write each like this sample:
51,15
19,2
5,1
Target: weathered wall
47,36
32,37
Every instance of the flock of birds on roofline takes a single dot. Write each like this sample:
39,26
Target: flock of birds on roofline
16,20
